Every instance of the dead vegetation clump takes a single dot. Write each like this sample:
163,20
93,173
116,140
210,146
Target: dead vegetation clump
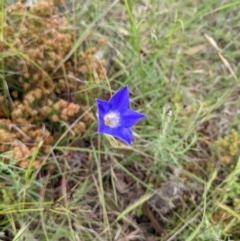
38,96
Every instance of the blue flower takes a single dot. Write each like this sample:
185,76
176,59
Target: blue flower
115,118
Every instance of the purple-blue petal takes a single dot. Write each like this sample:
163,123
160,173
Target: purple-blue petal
120,100
125,134
103,107
101,125
130,117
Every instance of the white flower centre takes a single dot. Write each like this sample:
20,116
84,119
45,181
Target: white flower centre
112,119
